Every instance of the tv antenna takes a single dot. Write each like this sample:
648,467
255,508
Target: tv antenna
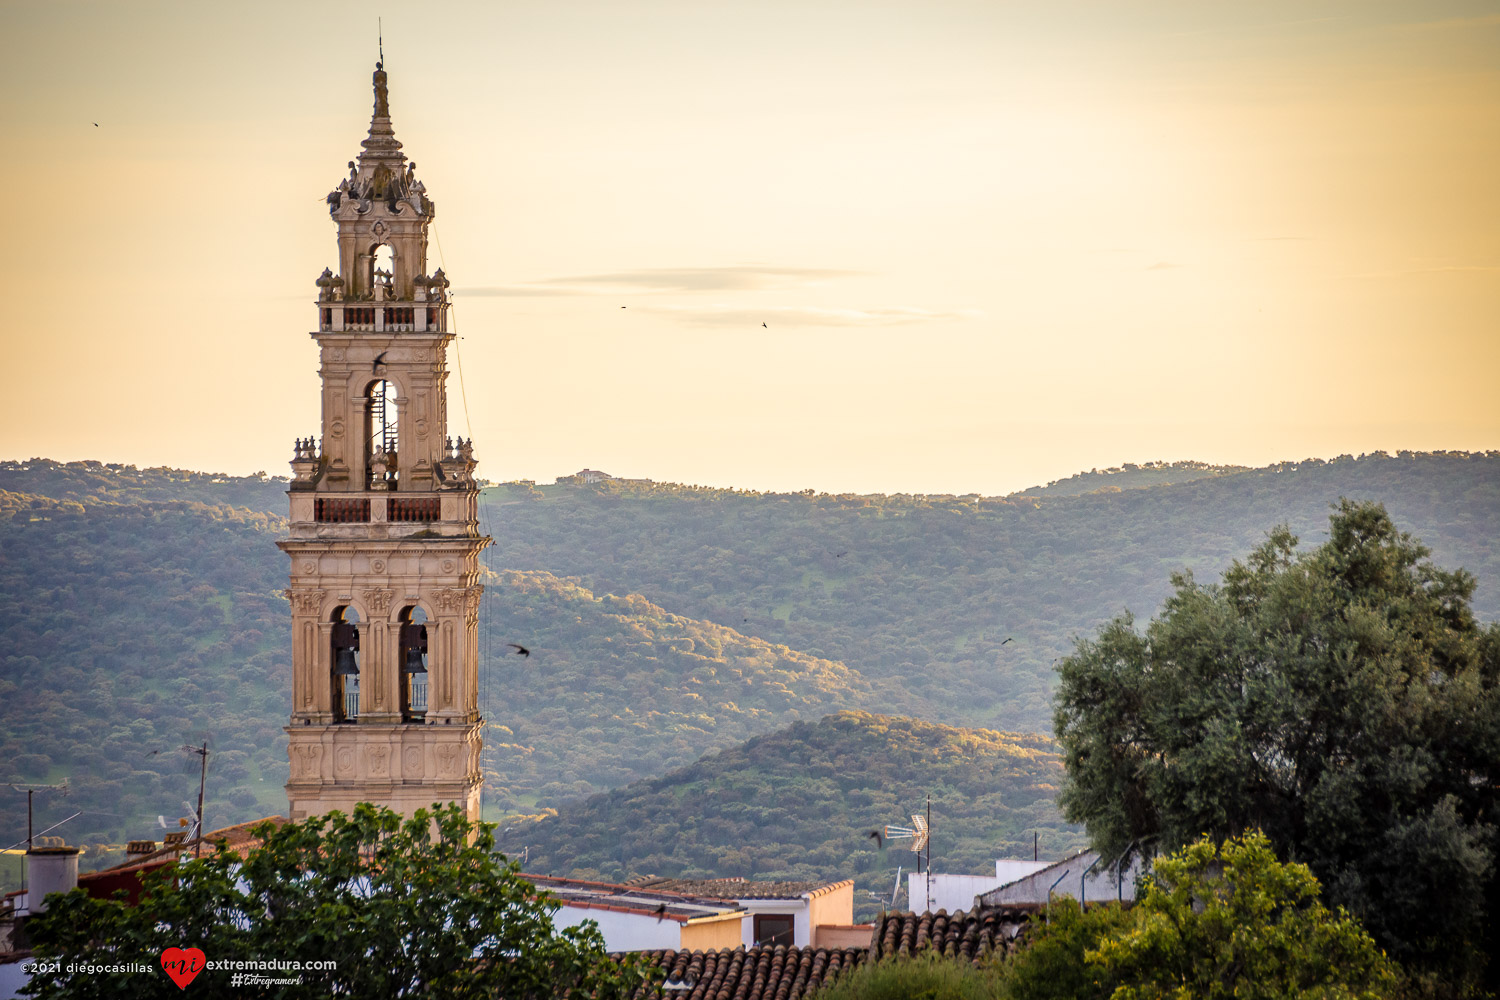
920,835
30,791
202,752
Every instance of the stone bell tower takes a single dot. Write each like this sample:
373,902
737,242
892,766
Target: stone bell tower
384,538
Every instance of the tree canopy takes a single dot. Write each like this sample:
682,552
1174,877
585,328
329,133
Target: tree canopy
421,907
1230,922
1344,700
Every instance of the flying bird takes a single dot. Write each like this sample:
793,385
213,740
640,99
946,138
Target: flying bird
767,327
875,836
96,124
520,650
1009,639
661,913
378,361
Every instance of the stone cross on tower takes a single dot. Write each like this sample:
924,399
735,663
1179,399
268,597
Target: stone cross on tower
384,538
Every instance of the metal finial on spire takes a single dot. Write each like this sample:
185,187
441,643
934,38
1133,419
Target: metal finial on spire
380,39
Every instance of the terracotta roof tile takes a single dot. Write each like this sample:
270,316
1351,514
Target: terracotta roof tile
759,973
737,888
632,899
967,934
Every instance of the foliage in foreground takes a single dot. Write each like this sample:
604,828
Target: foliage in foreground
1343,700
403,913
919,977
1231,922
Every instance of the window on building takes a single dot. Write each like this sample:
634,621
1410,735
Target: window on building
775,928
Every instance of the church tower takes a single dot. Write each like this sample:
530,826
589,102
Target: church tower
384,538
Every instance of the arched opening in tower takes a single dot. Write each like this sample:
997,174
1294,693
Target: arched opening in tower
345,660
413,660
384,265
381,437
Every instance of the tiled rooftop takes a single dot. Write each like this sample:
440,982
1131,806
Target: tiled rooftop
659,903
736,888
973,935
759,973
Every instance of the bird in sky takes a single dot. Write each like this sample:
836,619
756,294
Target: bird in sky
875,836
520,650
661,913
378,361
622,307
96,124
1009,639
767,327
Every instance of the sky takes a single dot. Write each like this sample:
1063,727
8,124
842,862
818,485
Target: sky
922,247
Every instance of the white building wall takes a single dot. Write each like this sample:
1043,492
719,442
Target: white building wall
1008,871
624,931
948,892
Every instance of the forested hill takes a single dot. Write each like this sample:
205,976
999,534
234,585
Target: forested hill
799,804
616,689
925,590
1131,477
144,607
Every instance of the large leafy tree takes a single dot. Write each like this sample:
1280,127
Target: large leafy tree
1343,700
1233,923
421,907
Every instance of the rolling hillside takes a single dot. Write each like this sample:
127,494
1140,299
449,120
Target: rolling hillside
799,804
142,608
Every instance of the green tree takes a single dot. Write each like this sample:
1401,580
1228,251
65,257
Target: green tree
1232,922
1053,965
928,976
1343,700
401,911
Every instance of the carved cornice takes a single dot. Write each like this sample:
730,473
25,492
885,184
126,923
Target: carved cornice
306,602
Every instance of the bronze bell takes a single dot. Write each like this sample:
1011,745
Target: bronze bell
343,663
414,664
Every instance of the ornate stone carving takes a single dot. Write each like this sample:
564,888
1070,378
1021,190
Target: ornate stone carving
411,762
379,601
306,758
451,600
306,602
380,761
448,754
343,761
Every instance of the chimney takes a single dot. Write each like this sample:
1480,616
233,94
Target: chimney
137,849
52,867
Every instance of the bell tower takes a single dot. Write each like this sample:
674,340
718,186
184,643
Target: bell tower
384,538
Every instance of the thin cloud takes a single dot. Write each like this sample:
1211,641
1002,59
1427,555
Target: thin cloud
505,291
1449,269
1466,23
744,278
778,316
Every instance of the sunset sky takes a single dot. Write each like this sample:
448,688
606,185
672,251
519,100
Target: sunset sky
992,243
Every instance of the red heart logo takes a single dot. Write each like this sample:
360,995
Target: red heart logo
183,964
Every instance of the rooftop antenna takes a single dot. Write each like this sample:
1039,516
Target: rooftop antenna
920,835
202,752
31,790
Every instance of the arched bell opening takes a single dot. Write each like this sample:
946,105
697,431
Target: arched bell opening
345,660
381,434
412,652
